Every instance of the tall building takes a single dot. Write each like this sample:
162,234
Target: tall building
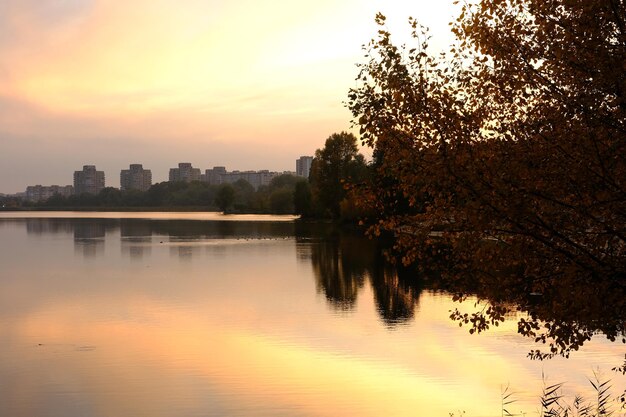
88,180
303,166
135,178
185,173
37,193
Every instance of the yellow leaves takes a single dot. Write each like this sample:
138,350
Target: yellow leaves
380,19
522,84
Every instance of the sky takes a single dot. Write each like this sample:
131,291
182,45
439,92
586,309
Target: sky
246,84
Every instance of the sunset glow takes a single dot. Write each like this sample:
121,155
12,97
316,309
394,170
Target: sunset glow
217,83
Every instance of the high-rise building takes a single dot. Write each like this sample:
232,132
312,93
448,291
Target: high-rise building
88,180
303,166
135,178
185,173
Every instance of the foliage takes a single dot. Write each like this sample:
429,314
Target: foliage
283,181
243,194
9,202
225,197
505,157
281,201
282,191
302,199
334,166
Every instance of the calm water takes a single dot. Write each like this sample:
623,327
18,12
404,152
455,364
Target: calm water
188,314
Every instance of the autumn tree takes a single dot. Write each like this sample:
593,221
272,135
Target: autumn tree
508,151
334,166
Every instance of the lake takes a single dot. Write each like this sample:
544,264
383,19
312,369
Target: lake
200,314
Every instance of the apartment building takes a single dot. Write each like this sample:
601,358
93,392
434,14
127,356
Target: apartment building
36,193
89,180
135,178
184,173
303,166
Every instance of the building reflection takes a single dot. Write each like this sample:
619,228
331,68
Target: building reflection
89,237
136,236
49,226
182,248
88,234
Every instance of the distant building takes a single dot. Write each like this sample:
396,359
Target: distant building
135,178
214,175
36,193
88,180
184,173
219,175
303,166
255,178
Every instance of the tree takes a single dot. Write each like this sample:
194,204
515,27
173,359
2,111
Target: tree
302,198
511,147
244,195
283,181
225,197
337,163
111,197
281,201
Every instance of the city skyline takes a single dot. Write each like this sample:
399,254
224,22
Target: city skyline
238,83
140,178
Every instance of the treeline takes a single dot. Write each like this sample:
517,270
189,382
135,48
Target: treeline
239,197
324,195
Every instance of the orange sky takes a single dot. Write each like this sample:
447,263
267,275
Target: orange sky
248,84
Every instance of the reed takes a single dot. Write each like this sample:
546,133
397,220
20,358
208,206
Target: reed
603,402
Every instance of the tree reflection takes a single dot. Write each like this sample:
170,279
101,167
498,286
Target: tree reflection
562,316
344,262
396,293
339,270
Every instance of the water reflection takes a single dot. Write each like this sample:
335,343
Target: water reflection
182,236
89,238
397,294
244,329
344,261
336,276
46,226
136,238
563,317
